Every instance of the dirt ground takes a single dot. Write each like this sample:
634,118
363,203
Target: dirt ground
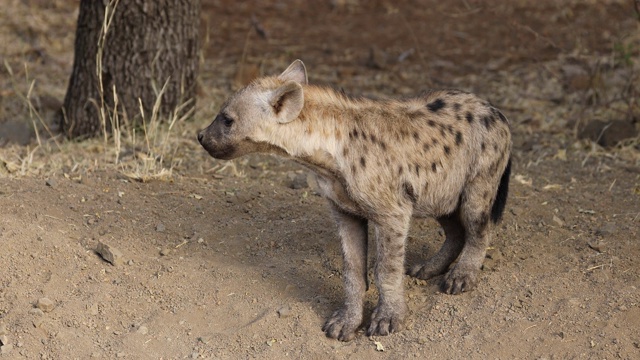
236,260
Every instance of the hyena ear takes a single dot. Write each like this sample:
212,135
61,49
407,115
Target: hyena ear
295,72
287,101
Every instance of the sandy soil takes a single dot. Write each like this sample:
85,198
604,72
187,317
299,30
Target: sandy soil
241,259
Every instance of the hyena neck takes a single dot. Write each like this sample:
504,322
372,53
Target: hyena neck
314,138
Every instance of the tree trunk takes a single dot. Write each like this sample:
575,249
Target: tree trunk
147,43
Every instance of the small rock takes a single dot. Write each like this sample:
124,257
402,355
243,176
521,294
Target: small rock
607,229
143,330
4,340
422,340
120,355
45,304
597,245
38,322
608,133
109,253
50,183
558,221
36,312
6,349
94,310
284,311
3,329
160,227
165,252
298,181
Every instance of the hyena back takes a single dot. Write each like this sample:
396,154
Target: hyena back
445,154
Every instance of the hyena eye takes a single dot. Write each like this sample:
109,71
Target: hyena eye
226,120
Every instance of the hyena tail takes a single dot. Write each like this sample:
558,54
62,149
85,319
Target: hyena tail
501,197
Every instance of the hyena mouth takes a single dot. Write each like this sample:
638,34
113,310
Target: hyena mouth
222,153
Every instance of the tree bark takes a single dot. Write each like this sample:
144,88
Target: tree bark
147,43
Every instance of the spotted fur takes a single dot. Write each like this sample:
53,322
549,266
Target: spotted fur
445,154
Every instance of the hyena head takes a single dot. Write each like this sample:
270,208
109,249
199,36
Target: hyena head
242,125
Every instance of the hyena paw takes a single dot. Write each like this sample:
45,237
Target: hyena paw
424,271
459,280
386,320
342,325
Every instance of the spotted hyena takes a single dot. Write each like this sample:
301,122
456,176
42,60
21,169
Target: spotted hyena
445,154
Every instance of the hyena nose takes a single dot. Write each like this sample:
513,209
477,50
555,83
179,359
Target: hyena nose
200,137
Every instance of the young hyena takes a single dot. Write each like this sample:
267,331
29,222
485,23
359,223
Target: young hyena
445,154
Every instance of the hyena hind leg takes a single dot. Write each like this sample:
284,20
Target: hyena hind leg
448,253
475,210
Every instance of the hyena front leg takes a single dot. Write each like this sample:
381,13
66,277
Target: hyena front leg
391,233
342,325
474,209
439,263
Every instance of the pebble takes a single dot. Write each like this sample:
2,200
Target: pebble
284,311
109,253
160,227
37,322
143,330
606,229
4,340
36,312
50,183
597,245
94,310
558,221
165,252
6,349
45,304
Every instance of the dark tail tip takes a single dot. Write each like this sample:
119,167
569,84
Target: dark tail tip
501,198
